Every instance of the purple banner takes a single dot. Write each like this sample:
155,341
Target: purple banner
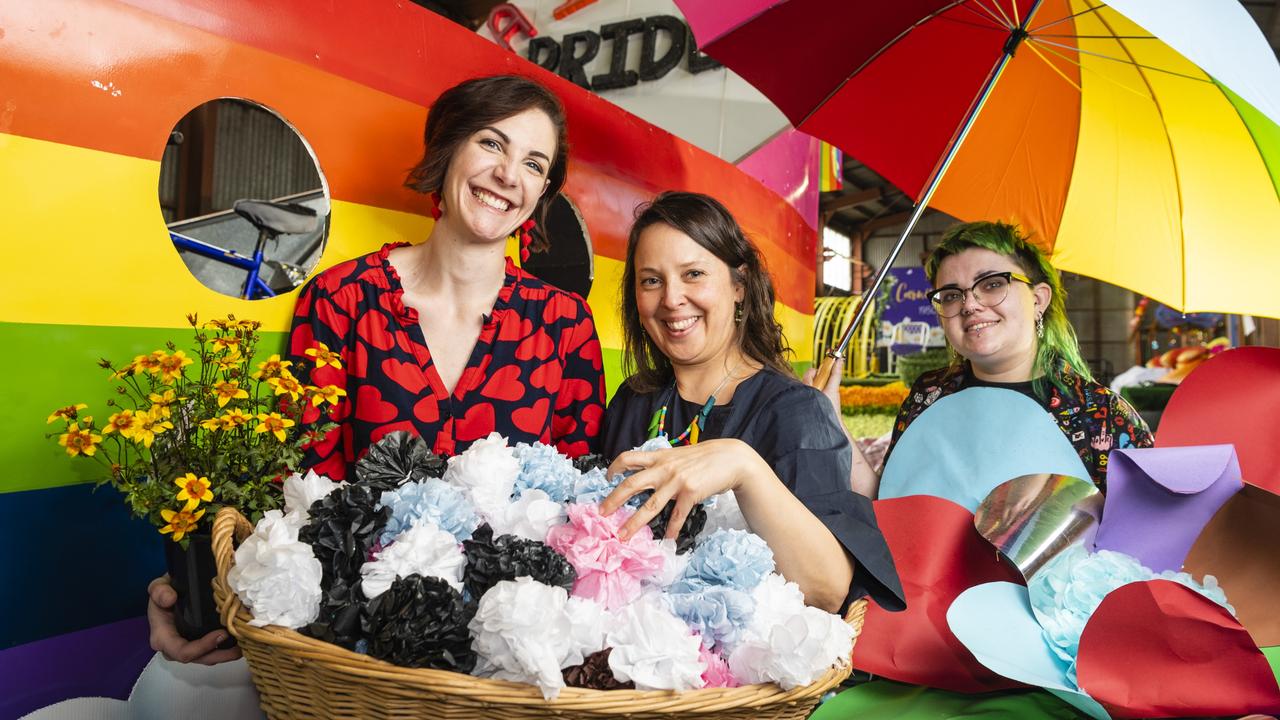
908,323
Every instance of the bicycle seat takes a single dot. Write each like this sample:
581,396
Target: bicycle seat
278,218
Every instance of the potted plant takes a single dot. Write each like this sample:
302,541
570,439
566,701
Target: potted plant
189,434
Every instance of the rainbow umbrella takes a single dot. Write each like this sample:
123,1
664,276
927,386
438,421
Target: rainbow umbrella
1136,139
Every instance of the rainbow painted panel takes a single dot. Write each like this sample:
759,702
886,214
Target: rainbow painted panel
90,96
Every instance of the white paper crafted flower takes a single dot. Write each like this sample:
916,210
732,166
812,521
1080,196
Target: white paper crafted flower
796,652
302,490
653,648
673,565
487,473
276,576
776,600
723,513
589,620
531,516
522,633
423,549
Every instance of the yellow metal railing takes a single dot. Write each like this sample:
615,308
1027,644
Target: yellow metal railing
831,316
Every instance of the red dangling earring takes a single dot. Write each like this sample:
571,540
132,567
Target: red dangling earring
435,205
526,237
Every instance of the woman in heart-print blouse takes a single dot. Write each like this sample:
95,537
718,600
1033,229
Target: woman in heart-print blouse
448,339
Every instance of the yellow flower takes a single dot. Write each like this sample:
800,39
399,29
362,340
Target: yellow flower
130,369
123,422
193,489
229,390
286,384
78,442
150,425
324,356
273,367
234,418
171,366
160,402
273,423
331,393
212,424
66,413
149,363
224,343
180,523
215,325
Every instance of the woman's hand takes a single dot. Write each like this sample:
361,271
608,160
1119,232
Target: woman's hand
164,632
687,475
832,388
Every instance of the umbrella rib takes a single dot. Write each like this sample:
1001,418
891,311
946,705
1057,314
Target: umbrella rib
986,18
1120,60
1080,65
873,58
1173,157
1055,68
1002,19
1062,20
1095,37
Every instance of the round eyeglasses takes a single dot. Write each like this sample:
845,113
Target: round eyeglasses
989,291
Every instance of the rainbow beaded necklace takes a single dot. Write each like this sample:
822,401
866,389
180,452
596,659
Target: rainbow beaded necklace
658,423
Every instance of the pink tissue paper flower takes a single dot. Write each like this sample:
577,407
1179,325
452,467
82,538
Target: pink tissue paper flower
717,673
610,571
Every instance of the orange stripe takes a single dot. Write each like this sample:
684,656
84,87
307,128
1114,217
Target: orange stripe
1016,164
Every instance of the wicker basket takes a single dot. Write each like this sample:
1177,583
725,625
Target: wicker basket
300,677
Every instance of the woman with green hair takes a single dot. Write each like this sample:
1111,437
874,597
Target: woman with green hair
1002,309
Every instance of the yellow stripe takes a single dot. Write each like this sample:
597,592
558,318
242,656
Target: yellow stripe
1165,163
88,246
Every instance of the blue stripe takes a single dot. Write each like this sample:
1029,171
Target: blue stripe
73,559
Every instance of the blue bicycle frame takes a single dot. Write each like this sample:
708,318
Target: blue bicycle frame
254,287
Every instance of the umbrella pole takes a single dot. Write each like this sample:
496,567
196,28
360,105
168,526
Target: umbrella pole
1016,36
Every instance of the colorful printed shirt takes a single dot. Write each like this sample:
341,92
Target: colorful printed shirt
535,374
1094,419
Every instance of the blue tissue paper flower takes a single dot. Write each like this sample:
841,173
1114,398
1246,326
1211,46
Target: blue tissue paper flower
1070,587
594,486
726,557
718,613
542,467
434,500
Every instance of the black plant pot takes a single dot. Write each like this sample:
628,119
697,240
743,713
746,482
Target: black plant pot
191,572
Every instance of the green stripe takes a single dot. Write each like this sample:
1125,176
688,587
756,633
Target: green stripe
1265,132
49,366
1272,654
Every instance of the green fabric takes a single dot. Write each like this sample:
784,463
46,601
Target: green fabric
1266,134
50,366
887,700
1273,656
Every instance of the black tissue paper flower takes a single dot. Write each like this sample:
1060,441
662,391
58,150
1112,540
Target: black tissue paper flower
397,458
342,528
693,523
421,622
591,461
491,560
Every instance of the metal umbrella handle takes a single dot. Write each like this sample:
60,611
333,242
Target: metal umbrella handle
1016,36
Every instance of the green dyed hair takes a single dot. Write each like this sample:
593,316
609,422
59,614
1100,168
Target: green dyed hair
1058,352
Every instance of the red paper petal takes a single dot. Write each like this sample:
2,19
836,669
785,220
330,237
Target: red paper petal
1160,649
1232,398
939,555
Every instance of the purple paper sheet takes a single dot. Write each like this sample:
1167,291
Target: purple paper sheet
1160,499
102,661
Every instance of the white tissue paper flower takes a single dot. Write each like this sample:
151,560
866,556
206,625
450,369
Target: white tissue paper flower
588,620
673,565
302,490
532,516
487,473
653,648
795,652
424,549
276,576
723,513
521,632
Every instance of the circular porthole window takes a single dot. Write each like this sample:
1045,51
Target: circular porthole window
244,200
565,259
